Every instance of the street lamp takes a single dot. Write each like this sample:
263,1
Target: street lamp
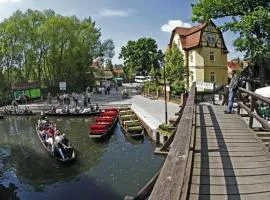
165,90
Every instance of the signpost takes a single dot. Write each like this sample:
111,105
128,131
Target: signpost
63,86
205,85
208,86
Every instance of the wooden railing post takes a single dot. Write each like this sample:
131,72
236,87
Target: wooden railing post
252,110
238,99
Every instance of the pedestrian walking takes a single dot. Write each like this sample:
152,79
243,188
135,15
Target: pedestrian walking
49,98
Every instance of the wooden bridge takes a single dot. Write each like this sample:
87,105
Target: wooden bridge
213,155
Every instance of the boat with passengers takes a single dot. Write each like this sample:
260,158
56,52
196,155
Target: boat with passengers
54,142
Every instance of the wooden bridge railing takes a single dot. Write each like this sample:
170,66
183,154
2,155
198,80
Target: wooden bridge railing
172,183
252,107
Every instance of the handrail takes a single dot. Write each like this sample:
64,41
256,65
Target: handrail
253,107
171,184
171,138
147,189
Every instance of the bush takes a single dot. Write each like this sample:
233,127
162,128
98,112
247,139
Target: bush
165,129
178,87
151,85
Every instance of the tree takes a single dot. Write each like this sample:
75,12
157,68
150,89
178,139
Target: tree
249,18
45,46
140,57
175,69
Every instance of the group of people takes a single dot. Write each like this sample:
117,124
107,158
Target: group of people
17,110
53,139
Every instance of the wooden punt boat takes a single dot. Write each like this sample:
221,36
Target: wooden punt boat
130,124
73,114
20,114
104,124
70,155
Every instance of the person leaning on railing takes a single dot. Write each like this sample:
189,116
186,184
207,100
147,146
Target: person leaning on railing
234,84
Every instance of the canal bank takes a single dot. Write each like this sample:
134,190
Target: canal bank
151,112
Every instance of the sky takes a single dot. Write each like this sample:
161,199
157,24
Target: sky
123,20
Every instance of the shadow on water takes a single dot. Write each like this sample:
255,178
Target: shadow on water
8,192
39,171
107,170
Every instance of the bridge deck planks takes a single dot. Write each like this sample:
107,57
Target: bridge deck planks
229,162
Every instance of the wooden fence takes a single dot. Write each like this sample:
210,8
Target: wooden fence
250,101
172,183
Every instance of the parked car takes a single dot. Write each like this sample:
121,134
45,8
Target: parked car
150,78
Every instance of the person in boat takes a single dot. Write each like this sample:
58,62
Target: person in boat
91,108
51,131
58,146
27,110
67,109
14,103
97,107
44,134
53,109
49,143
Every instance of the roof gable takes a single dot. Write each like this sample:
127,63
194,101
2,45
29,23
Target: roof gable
191,37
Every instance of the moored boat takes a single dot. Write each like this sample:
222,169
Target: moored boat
130,124
73,114
104,124
57,144
19,112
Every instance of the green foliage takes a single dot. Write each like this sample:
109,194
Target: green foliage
165,129
152,86
249,18
40,46
140,57
174,66
178,87
176,72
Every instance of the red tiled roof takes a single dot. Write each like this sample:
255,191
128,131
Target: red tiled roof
232,65
190,37
187,31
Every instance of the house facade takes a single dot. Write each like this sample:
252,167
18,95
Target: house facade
204,51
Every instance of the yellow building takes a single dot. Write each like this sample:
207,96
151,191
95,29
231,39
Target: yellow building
204,51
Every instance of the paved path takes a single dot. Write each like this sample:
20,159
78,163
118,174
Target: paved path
229,162
152,112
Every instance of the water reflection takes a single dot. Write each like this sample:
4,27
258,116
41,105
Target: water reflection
106,170
8,192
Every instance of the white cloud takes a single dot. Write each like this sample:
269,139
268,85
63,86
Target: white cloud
10,1
172,24
114,13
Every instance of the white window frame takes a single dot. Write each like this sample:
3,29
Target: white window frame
211,37
212,54
212,76
210,28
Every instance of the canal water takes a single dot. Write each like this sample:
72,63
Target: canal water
104,170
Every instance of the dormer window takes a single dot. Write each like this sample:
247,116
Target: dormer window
211,37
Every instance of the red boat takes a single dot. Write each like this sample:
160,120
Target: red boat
103,124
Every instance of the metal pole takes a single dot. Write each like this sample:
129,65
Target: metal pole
166,113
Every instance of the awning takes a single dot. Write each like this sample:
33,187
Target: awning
264,91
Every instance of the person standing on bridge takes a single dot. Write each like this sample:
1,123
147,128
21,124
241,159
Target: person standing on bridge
234,84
